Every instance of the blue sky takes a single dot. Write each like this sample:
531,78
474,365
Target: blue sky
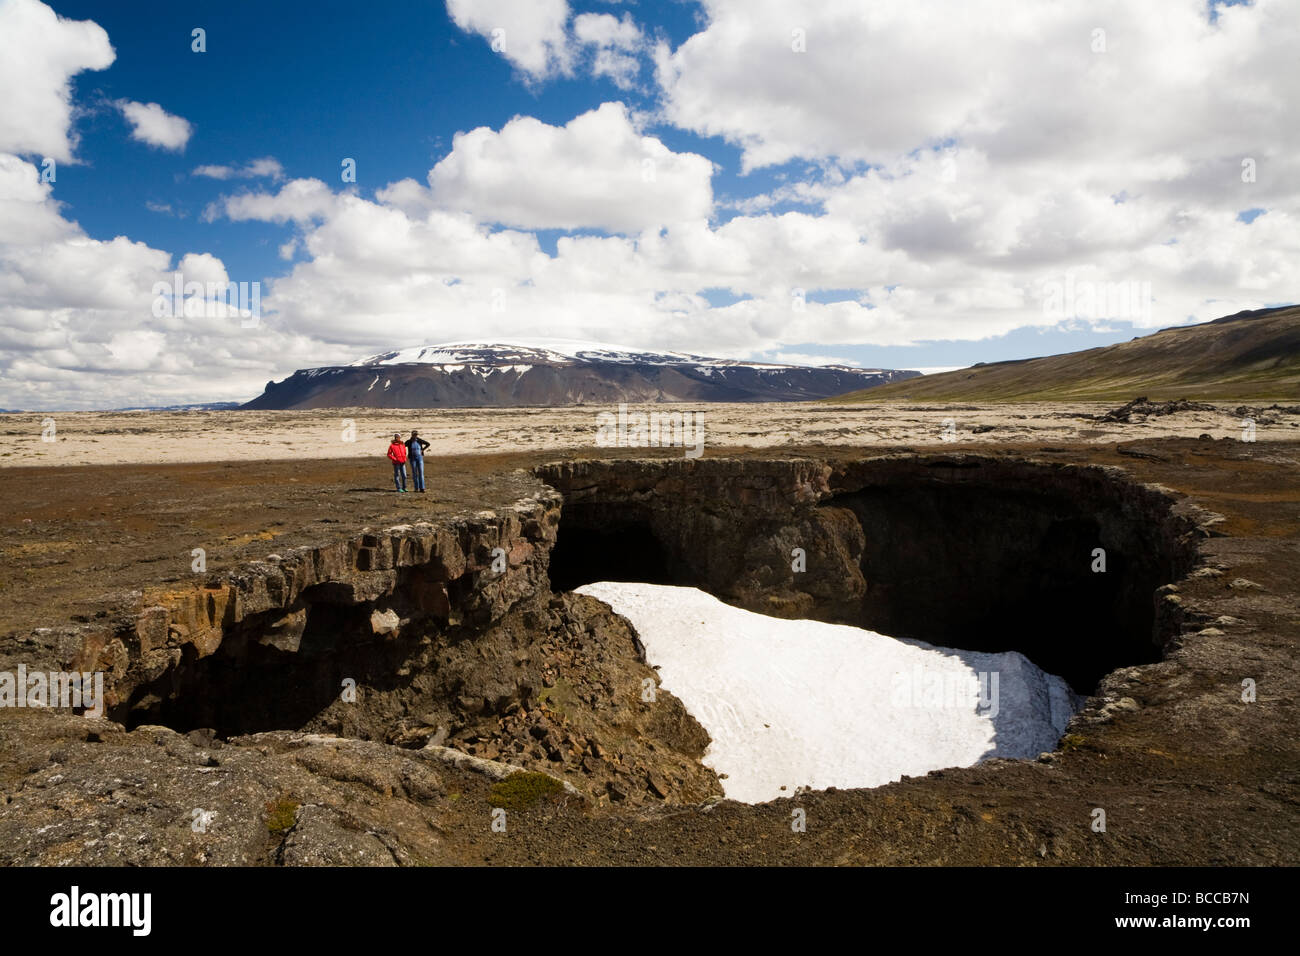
837,181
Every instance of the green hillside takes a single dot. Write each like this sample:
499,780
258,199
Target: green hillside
1248,356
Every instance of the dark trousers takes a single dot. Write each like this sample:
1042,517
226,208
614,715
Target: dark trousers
399,475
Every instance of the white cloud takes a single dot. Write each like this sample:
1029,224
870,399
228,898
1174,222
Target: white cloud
596,172
606,30
268,167
152,124
528,33
615,46
77,322
1019,80
539,39
39,53
388,273
299,200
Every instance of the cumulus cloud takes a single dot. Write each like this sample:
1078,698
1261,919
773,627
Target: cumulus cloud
596,172
615,45
152,124
268,167
299,200
80,323
529,33
79,319
1022,81
39,53
541,42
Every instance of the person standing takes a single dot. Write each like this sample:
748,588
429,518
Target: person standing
397,455
415,455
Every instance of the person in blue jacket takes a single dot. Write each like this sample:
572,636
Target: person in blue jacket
415,447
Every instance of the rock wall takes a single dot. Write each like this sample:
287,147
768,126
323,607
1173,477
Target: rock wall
958,550
398,577
424,634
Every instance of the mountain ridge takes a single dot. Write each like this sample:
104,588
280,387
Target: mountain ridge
549,372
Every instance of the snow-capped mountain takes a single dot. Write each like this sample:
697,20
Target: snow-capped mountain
555,372
554,351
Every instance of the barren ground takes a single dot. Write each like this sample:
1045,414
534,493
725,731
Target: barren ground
1187,771
115,438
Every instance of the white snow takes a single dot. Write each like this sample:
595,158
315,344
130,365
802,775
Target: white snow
806,704
558,351
521,353
484,356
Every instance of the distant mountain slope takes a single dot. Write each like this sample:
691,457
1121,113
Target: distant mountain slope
1250,355
554,372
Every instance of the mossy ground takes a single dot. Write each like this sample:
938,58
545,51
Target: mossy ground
522,790
281,815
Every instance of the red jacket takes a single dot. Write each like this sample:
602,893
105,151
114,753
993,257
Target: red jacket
397,452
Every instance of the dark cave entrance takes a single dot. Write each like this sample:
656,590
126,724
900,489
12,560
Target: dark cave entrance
1005,569
985,556
251,685
284,669
595,543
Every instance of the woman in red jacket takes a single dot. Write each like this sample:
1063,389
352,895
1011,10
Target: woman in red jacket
397,455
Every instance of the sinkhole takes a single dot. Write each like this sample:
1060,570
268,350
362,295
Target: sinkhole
846,626
1058,563
970,555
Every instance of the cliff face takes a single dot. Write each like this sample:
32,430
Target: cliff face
469,572
423,635
957,550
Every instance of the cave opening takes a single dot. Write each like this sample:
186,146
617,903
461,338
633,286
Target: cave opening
1004,569
604,544
279,671
1059,565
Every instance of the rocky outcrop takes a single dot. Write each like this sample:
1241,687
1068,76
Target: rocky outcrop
429,632
1146,408
467,572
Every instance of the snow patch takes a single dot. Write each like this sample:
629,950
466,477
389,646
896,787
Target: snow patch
523,353
806,704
